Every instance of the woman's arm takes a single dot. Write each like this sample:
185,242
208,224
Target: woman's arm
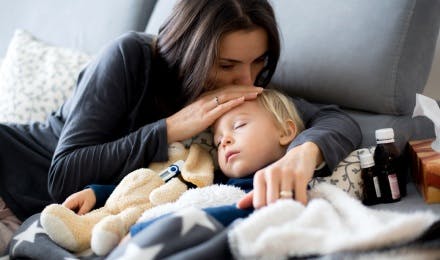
97,144
332,130
330,135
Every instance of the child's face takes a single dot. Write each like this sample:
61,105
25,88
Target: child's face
248,139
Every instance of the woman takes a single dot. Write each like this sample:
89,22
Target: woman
139,95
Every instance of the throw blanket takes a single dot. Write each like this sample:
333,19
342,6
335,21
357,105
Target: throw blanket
332,225
331,222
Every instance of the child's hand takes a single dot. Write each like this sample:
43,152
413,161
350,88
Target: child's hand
81,202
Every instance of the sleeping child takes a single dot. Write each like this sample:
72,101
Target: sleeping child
248,138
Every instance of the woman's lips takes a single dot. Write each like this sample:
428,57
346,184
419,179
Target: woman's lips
231,154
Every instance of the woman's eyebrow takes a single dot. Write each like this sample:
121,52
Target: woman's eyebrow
239,61
230,60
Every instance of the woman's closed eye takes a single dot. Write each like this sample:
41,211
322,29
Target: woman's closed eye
227,66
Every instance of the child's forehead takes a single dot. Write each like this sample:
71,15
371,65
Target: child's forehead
247,109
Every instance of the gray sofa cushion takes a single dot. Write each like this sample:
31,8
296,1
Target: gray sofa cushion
81,24
368,55
160,13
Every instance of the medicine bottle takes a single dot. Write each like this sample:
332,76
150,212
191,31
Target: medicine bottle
385,156
370,180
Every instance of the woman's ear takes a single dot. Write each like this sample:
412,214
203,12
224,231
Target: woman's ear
288,132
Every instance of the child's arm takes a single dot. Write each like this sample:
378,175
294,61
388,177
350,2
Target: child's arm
92,196
81,202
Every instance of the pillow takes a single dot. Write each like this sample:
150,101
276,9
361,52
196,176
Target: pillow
35,78
347,174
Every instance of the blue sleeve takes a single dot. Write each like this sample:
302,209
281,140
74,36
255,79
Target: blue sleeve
102,192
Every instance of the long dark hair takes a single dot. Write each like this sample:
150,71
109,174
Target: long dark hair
189,38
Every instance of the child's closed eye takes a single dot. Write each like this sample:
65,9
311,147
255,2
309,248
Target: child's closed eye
239,124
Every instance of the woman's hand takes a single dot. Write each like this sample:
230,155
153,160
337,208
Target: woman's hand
81,202
202,113
290,173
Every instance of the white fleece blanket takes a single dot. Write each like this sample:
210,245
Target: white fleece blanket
210,196
331,222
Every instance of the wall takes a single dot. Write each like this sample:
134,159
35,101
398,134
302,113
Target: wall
432,88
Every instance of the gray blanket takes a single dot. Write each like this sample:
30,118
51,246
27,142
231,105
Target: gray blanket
191,233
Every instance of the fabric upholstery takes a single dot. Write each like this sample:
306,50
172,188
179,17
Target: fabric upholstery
36,78
367,55
79,24
160,13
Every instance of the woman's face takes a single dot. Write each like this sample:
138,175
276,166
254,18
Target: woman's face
242,56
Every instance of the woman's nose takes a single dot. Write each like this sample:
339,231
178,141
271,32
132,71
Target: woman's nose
244,77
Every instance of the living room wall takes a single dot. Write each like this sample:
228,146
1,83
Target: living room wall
433,86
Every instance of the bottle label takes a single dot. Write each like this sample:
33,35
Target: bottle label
394,186
376,186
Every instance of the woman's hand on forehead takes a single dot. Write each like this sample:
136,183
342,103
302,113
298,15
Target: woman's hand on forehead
202,113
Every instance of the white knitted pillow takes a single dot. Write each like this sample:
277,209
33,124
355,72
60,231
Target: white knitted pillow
35,78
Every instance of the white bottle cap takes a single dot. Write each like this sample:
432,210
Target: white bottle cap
385,135
366,160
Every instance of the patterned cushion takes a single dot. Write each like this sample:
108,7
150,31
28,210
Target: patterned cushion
35,78
347,175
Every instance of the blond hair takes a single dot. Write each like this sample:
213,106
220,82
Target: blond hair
281,107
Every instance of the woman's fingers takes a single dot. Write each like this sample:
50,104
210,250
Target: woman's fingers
202,113
287,188
301,192
246,201
259,197
226,94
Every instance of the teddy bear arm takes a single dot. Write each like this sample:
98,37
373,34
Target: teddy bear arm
168,192
134,190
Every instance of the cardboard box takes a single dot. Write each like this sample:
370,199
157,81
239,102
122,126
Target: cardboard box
426,169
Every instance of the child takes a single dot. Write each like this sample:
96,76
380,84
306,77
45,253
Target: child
250,137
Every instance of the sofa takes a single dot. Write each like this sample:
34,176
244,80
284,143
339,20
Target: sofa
368,57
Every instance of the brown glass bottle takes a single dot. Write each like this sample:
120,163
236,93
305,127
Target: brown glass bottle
371,189
385,156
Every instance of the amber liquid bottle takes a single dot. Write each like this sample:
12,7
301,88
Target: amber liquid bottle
385,159
371,189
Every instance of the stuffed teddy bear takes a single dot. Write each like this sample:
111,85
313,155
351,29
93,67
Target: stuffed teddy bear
103,228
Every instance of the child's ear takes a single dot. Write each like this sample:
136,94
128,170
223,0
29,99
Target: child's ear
288,132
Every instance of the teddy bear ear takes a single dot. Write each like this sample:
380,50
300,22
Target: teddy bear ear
198,167
176,151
